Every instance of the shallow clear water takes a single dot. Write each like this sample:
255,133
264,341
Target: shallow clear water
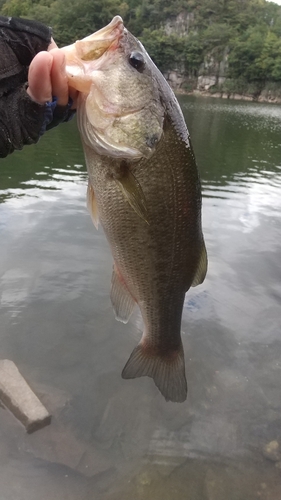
114,439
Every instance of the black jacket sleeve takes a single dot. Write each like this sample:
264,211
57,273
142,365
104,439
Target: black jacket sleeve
21,119
20,41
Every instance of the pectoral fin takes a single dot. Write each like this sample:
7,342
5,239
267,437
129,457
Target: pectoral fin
121,299
92,205
202,267
133,193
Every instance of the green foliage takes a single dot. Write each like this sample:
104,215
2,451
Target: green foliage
69,19
173,52
242,86
189,85
269,60
249,31
272,89
244,54
256,55
235,86
165,50
16,8
193,54
73,20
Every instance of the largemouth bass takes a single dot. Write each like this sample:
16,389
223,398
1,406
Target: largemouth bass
144,188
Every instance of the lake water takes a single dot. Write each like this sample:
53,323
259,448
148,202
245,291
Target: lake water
114,439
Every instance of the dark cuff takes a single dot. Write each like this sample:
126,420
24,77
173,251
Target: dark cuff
60,114
23,121
20,120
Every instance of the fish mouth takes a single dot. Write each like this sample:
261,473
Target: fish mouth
90,53
101,115
94,46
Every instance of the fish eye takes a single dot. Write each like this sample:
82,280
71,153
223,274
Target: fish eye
136,60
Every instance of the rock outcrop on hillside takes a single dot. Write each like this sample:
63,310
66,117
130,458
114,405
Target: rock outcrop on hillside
212,78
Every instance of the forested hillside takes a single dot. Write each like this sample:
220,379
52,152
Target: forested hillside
237,42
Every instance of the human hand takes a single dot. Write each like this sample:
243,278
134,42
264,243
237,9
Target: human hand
47,78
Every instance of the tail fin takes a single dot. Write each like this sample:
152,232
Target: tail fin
167,371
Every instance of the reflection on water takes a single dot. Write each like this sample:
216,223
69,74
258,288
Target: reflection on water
112,439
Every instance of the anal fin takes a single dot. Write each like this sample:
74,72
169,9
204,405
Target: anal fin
121,299
92,205
202,267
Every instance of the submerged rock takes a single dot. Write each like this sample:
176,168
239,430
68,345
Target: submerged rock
272,451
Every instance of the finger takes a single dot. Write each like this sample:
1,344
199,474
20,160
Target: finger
59,78
39,78
74,96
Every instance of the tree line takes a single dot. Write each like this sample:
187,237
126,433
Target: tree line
245,32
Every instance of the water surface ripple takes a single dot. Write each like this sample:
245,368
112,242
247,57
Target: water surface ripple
112,439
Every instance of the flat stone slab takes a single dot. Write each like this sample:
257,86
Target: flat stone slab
19,398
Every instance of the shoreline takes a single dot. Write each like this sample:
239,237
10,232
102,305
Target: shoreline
234,96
